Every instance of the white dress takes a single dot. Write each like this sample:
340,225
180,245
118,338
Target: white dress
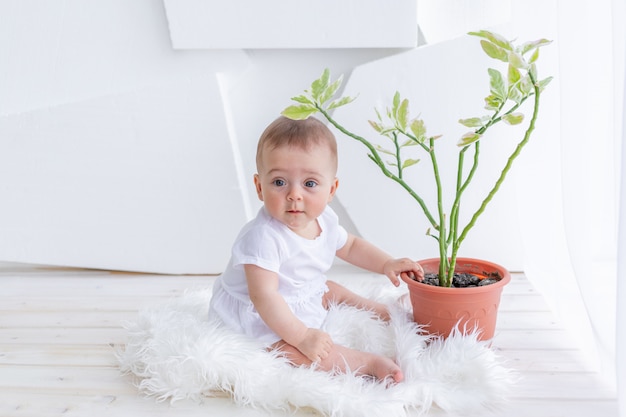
300,264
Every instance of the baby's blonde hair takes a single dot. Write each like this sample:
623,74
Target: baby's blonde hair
301,134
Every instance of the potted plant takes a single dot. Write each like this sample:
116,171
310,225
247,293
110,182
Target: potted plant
508,92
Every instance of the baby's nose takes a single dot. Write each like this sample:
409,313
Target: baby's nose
295,193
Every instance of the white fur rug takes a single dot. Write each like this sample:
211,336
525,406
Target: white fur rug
175,352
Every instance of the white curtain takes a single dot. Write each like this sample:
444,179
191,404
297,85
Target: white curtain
570,215
621,284
620,51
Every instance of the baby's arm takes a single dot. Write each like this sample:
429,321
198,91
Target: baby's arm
361,253
263,288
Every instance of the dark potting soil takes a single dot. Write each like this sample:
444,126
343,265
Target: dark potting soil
463,279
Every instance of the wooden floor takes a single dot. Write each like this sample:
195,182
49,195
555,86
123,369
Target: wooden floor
59,327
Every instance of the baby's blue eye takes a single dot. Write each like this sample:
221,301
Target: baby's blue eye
278,182
310,184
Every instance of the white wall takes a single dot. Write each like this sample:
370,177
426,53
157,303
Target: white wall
128,142
114,146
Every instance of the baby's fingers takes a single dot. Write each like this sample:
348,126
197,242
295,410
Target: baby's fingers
418,272
412,275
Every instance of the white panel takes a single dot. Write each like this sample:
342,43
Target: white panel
441,20
143,181
54,53
292,24
444,83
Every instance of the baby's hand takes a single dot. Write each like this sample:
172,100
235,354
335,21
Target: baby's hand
316,345
402,266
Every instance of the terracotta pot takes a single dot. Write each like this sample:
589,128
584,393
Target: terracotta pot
444,308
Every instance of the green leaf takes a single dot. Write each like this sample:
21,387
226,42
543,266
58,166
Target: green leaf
526,86
385,151
543,83
468,138
396,103
302,99
318,86
529,46
299,112
384,130
496,84
513,118
492,37
494,51
377,127
419,129
340,102
515,94
534,56
402,116
330,90
517,60
513,75
380,118
493,103
409,162
389,113
533,70
472,122
409,142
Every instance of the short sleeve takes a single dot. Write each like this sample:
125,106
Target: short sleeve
342,237
258,247
338,232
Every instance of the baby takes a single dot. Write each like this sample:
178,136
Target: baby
274,288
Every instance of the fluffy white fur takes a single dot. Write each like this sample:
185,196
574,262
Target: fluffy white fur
176,353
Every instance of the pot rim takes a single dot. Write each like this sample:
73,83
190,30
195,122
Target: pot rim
506,278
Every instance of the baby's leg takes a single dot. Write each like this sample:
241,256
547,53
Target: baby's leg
342,359
339,294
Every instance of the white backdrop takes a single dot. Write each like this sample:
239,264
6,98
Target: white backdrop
570,237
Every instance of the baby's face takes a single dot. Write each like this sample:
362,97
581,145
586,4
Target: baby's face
296,185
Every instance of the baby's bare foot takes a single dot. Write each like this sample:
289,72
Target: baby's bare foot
383,368
382,311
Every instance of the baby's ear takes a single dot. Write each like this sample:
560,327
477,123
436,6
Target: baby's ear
333,188
257,186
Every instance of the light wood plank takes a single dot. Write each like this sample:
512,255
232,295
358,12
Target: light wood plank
532,360
87,380
527,320
63,336
530,407
66,355
553,385
64,318
19,403
104,285
45,304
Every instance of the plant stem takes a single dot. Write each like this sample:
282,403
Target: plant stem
456,206
505,170
443,246
453,238
398,158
